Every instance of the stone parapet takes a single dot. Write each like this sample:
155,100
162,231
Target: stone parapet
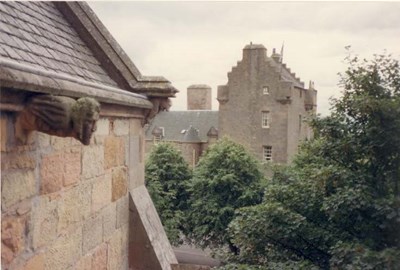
65,205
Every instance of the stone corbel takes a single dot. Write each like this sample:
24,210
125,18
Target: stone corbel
159,104
60,116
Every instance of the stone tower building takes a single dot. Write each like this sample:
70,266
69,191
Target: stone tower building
263,106
199,97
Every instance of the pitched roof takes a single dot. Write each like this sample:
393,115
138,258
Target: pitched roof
56,45
175,122
36,34
110,53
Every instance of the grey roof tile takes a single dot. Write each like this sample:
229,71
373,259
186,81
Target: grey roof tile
4,27
3,52
174,122
24,55
4,6
37,33
12,53
35,29
26,35
21,44
13,4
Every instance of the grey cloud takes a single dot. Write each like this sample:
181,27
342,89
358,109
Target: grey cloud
199,42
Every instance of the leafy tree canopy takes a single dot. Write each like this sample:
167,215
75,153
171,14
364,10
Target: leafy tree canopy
337,205
166,177
225,179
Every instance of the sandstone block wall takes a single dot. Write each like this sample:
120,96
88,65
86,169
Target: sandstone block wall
65,205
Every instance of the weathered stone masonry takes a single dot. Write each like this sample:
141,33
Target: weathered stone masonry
66,205
260,85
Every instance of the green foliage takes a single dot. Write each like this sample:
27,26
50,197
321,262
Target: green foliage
287,265
357,256
225,179
166,176
337,205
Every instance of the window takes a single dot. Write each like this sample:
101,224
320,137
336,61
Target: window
265,119
265,90
267,153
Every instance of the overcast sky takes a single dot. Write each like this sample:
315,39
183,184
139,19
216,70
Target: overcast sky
199,42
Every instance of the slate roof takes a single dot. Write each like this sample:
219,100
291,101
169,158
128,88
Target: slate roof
63,48
38,35
174,122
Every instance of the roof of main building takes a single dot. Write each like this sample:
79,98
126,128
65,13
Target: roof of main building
55,46
176,123
36,34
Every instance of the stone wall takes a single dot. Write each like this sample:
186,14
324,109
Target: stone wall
298,129
240,115
242,102
65,205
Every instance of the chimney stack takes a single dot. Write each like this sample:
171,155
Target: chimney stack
276,56
199,97
254,52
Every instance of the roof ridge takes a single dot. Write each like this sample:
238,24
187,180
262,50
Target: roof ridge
110,54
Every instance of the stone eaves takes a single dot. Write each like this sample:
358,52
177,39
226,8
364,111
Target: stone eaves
37,35
36,79
41,50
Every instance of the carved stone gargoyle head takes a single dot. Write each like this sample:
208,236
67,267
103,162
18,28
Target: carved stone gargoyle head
84,115
61,116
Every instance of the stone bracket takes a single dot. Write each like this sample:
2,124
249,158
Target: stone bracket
60,116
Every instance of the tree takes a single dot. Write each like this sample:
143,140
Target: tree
166,177
225,179
337,205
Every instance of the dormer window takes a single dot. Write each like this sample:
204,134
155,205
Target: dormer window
265,90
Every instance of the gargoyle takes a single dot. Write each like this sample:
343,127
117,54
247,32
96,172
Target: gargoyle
61,116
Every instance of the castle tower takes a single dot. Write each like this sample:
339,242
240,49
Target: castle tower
199,97
264,104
